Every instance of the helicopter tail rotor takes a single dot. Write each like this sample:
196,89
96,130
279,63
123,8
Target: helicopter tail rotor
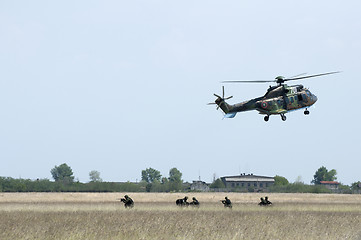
220,101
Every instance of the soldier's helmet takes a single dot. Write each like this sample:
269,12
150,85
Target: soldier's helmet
185,198
226,198
194,198
126,196
266,198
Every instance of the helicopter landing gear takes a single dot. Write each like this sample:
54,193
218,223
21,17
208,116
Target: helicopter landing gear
266,118
283,117
306,112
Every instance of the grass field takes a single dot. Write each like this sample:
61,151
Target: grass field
155,216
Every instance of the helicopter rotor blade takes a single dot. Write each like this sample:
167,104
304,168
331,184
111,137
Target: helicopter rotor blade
228,98
222,92
316,75
217,95
211,103
298,75
247,81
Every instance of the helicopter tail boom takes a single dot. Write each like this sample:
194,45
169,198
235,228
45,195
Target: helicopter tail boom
245,106
230,111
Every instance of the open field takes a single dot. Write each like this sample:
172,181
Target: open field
155,216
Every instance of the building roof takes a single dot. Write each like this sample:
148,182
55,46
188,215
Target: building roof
329,182
248,178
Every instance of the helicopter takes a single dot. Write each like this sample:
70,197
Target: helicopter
278,100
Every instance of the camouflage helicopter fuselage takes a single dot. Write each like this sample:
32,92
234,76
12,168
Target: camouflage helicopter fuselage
278,100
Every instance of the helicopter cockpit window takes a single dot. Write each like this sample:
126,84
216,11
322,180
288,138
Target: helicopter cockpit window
279,102
304,97
300,97
296,99
291,99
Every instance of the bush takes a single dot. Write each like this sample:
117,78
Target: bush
217,184
299,188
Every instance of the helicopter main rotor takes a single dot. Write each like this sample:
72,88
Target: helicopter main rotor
279,80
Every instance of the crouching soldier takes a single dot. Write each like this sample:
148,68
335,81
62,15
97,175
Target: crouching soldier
267,201
227,202
128,202
262,202
182,202
195,202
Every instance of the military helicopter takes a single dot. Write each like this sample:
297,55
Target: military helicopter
278,100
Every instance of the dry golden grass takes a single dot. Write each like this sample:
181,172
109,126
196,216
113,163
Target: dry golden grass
99,216
170,197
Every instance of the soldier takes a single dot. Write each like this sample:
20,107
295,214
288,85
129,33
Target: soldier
227,202
195,202
128,202
267,201
182,201
263,202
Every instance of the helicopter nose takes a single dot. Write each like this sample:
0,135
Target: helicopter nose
314,98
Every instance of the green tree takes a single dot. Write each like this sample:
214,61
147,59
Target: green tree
151,175
322,174
356,187
165,180
62,173
175,175
175,180
280,181
217,184
95,176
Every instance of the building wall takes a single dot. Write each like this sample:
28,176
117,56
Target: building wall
331,186
249,186
200,186
246,183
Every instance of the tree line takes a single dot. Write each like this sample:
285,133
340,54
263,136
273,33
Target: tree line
322,174
153,181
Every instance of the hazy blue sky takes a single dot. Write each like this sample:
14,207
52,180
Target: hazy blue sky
120,86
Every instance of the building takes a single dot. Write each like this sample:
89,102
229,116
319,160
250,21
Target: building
248,183
199,186
332,185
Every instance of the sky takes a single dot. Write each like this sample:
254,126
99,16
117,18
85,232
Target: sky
121,86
